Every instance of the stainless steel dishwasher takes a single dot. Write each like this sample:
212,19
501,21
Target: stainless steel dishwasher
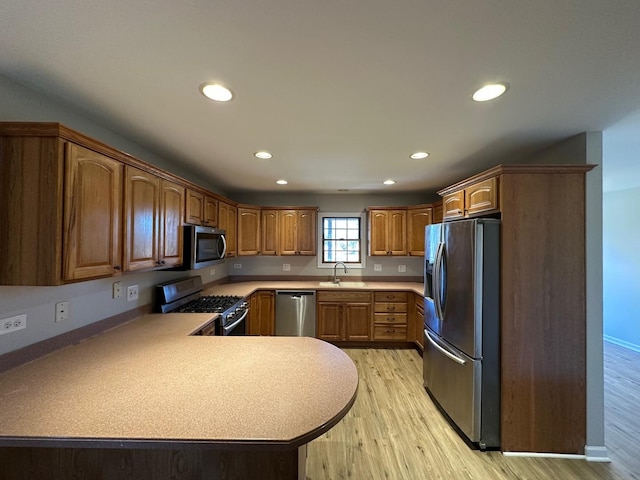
296,313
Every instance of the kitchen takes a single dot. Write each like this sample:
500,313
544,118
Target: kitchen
91,301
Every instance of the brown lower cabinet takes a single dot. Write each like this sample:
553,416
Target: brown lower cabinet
390,316
418,320
344,315
262,313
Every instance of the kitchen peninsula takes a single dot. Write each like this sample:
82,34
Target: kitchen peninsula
147,400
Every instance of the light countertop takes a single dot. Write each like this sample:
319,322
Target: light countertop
149,384
247,288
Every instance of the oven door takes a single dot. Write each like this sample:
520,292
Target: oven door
238,327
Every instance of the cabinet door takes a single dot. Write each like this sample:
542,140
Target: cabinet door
194,210
329,322
453,205
288,220
248,231
306,232
419,218
92,214
378,228
232,232
397,232
269,232
227,222
171,208
357,319
437,212
210,212
253,321
142,214
482,197
266,306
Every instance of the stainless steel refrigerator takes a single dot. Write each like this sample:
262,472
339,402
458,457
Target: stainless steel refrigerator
462,325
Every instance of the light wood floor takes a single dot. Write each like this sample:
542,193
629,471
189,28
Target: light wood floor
395,432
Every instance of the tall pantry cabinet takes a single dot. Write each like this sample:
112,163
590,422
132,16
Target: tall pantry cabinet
542,299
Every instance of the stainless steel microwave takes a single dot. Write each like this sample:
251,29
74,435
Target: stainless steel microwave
203,246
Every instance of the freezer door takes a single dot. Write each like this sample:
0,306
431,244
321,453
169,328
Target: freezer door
433,244
453,379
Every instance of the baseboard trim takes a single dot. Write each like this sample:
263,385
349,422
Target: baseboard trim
40,349
597,454
622,343
566,456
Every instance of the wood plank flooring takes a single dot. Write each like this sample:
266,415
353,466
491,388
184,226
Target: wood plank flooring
394,431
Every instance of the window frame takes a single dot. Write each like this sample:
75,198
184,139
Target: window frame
363,238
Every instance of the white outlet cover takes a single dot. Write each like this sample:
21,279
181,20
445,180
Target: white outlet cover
116,290
286,267
132,293
377,267
62,311
402,268
12,324
237,266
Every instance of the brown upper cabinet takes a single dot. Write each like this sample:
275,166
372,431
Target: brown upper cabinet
201,209
419,216
387,231
227,221
83,209
152,228
248,230
194,207
474,199
61,207
269,232
297,231
437,212
92,220
210,211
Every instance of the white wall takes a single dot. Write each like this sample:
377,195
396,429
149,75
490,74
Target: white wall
621,267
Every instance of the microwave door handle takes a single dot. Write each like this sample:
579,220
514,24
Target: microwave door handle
445,352
224,246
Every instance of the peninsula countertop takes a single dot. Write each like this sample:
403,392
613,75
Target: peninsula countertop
149,384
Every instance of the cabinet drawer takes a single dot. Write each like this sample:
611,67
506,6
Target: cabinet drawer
390,296
381,307
332,296
389,332
400,318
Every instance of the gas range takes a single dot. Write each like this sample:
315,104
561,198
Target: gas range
185,296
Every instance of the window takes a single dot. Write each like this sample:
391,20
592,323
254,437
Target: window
341,239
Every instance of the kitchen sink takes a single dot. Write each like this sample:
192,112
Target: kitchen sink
343,284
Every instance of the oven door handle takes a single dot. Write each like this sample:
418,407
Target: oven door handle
228,328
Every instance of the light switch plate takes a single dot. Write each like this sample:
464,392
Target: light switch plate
116,290
62,311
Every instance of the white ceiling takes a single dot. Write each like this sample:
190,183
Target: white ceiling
341,92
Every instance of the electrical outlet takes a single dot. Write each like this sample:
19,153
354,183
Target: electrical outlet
237,266
12,324
132,293
116,290
402,268
213,271
62,311
377,267
286,267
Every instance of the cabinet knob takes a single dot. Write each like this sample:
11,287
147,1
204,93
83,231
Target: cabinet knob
117,267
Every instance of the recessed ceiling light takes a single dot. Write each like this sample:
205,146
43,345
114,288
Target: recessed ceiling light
419,155
489,92
264,155
216,92
389,182
281,182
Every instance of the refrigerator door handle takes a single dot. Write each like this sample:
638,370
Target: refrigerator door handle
447,353
437,270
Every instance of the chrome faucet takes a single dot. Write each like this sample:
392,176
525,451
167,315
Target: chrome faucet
336,280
